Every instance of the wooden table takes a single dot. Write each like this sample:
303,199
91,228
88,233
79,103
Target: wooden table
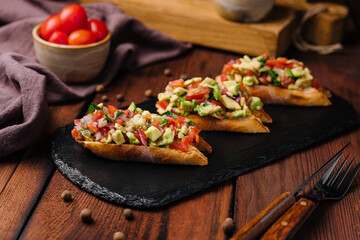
31,206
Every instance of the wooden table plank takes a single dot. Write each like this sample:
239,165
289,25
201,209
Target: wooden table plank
22,190
197,217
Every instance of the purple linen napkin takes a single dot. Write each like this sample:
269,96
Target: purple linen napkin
26,87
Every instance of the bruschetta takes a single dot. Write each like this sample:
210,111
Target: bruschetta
212,106
138,135
276,80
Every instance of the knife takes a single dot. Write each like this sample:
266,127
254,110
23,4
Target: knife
271,213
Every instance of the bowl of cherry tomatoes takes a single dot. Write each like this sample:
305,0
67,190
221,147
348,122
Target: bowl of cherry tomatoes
72,46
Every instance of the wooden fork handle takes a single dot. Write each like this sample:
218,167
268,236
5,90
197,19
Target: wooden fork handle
254,228
291,221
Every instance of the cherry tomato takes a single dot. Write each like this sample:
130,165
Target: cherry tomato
81,37
59,38
98,28
50,25
197,93
177,83
73,17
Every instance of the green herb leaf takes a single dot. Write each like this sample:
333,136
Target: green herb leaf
118,113
163,123
191,123
170,114
108,118
262,61
289,73
92,107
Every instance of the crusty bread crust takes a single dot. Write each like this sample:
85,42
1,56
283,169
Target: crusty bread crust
245,125
276,95
264,116
127,152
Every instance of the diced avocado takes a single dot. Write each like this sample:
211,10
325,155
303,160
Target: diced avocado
238,113
188,82
192,80
163,96
216,92
186,106
132,138
238,77
208,82
247,111
293,87
297,72
184,129
255,102
250,80
208,109
180,91
157,117
108,139
132,107
233,87
229,103
308,75
153,133
167,137
194,103
152,144
118,137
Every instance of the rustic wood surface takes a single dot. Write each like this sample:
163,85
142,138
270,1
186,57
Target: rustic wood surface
197,21
30,187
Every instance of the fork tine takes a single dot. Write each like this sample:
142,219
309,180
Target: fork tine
342,177
326,175
336,174
345,187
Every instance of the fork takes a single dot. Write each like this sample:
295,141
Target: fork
327,188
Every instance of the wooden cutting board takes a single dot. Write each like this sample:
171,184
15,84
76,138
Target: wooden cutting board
197,22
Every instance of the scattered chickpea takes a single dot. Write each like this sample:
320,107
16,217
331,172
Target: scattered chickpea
66,196
167,72
119,236
100,88
148,93
228,226
184,76
105,98
85,215
128,214
119,97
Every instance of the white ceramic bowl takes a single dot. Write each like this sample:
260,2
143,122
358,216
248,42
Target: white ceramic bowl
244,10
72,64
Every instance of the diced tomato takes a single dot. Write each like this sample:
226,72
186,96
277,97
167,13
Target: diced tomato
228,68
217,103
194,133
279,63
161,104
180,120
119,121
223,77
77,122
290,65
194,85
179,146
112,110
143,138
74,133
238,61
137,135
242,87
171,122
177,83
249,73
156,123
282,60
93,128
315,84
285,82
186,141
197,93
99,114
127,112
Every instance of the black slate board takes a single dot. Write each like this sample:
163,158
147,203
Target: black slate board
144,185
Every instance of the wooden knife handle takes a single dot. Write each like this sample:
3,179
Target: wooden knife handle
255,227
291,221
